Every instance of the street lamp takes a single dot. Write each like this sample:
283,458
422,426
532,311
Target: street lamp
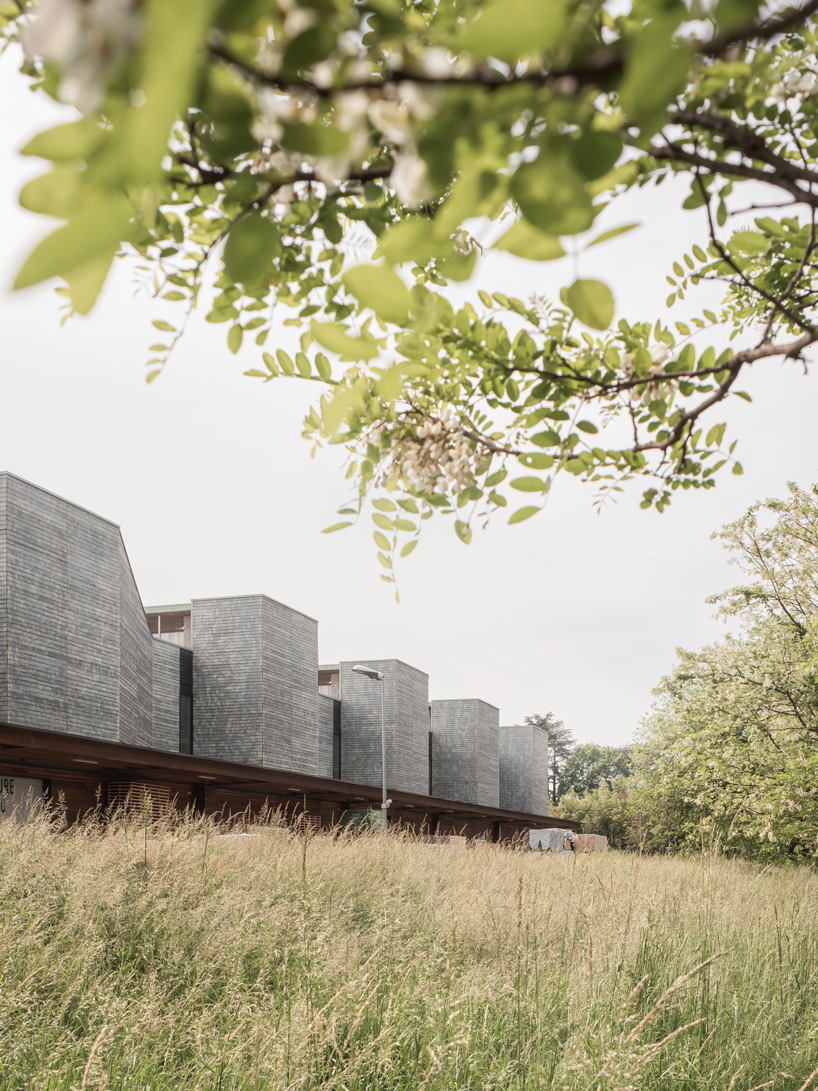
376,675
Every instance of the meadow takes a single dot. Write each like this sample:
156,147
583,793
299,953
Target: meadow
177,957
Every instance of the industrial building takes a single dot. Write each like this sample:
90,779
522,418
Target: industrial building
221,703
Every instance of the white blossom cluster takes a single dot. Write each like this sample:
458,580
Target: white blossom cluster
794,83
659,354
88,39
435,457
393,112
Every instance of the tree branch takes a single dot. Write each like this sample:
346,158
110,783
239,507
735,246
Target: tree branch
675,154
745,140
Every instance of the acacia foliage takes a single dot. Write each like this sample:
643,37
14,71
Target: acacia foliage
260,149
730,753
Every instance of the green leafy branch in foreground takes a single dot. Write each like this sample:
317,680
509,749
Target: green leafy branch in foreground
349,161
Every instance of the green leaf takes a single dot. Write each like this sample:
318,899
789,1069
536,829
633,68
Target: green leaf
412,239
310,46
333,336
592,302
381,540
252,246
586,426
54,194
234,338
528,484
381,289
748,242
173,35
382,521
85,282
551,196
534,460
594,153
526,241
384,505
548,438
285,362
656,68
738,468
407,549
612,234
302,364
463,531
334,527
522,513
95,231
316,139
64,143
513,29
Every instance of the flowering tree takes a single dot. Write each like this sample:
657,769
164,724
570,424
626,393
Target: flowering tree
262,148
732,745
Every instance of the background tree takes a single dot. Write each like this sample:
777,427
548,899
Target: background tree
610,809
589,765
730,753
250,153
561,742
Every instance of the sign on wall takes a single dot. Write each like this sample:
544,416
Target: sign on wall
19,796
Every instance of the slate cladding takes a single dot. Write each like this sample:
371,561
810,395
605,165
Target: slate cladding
75,647
255,683
406,704
326,727
4,686
77,657
524,769
166,678
466,751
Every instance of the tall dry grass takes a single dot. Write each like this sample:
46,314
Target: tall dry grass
172,958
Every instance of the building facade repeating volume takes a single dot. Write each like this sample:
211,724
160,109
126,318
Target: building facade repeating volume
234,679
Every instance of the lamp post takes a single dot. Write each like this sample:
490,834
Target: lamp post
376,675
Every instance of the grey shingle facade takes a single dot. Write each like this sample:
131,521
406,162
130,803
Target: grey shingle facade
466,751
255,681
406,703
77,656
524,769
74,642
326,723
166,695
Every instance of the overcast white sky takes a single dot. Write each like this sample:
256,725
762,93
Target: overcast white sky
216,494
